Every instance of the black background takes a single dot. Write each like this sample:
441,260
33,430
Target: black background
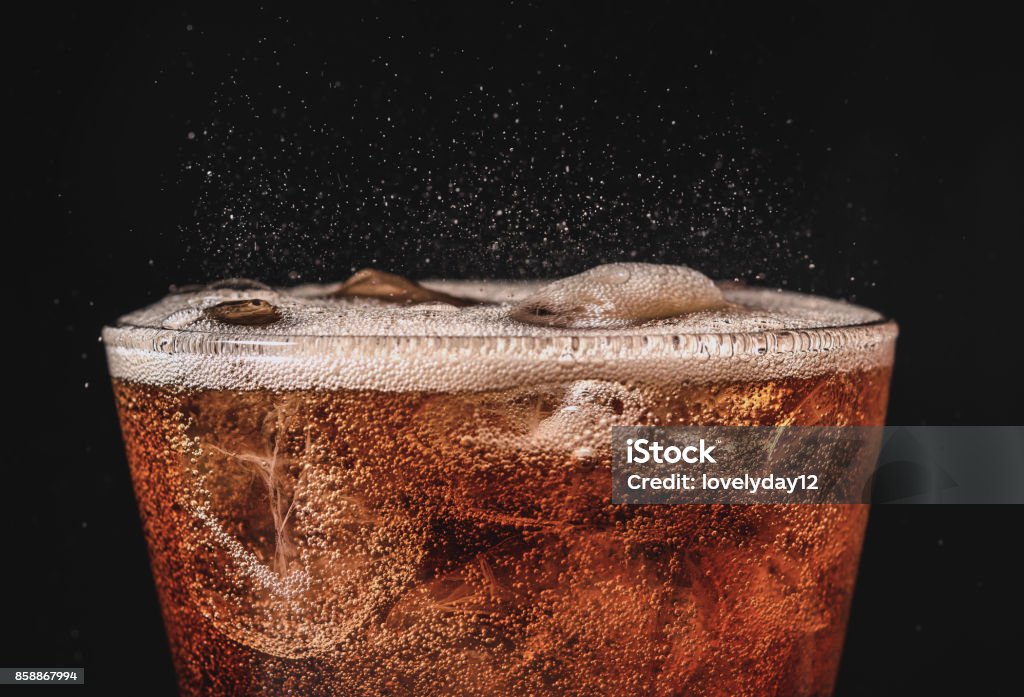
903,143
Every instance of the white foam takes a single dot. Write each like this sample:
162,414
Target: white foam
345,343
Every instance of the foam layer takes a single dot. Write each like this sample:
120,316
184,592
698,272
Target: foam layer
354,343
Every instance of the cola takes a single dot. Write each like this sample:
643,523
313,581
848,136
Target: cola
405,490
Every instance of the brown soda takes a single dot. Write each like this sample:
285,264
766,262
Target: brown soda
430,542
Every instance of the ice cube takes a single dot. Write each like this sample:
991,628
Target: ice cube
586,413
372,283
251,312
615,295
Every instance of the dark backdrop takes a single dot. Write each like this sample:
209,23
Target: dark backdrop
882,146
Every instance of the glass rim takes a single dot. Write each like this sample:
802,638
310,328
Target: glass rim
848,345
119,330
